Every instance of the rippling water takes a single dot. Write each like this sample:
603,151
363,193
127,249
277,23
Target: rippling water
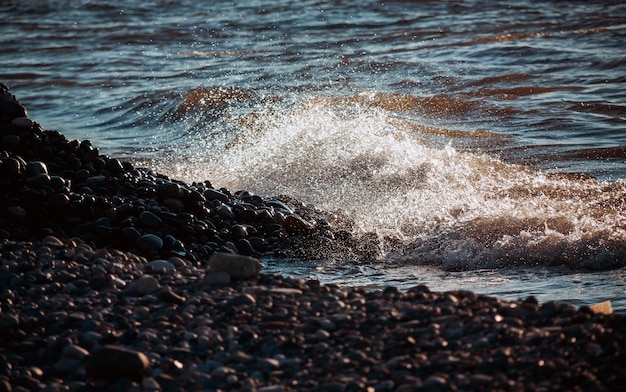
477,136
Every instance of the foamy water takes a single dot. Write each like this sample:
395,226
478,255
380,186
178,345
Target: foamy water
480,137
456,209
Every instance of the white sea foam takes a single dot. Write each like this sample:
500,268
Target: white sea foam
453,208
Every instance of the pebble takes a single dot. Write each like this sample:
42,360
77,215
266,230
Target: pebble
74,351
113,362
146,284
149,219
160,266
149,243
23,122
217,278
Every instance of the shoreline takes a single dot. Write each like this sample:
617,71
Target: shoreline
110,282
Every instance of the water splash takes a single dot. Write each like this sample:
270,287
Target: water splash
442,206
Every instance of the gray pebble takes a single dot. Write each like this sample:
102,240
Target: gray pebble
149,242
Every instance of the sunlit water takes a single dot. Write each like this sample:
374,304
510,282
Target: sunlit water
487,138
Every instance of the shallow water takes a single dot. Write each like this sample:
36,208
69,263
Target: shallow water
475,136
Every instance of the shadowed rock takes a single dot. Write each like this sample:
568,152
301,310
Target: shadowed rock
114,362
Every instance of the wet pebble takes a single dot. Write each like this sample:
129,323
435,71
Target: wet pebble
149,243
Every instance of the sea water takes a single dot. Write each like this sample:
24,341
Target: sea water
484,142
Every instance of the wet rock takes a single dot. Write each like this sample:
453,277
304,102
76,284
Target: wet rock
149,243
213,194
23,122
149,219
11,110
114,362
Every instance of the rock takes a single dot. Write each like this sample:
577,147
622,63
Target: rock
237,266
243,299
160,266
602,308
213,194
225,212
114,362
148,219
217,279
146,284
74,351
168,295
12,110
149,243
51,241
114,166
35,167
22,122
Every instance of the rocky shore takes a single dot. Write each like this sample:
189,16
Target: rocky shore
115,278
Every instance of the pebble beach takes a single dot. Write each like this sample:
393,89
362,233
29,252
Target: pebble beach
117,278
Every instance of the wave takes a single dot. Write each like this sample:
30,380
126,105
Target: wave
383,175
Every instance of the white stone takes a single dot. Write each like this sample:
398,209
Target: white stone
237,266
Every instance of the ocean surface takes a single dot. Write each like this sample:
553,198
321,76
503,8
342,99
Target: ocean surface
484,140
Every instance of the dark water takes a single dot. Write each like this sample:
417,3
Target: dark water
484,137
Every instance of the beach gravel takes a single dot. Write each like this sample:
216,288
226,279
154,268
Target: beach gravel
107,284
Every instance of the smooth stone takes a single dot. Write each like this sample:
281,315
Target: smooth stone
160,266
52,241
38,180
12,109
131,234
169,296
148,219
149,243
272,388
217,279
245,247
225,212
35,167
213,194
237,266
74,351
23,122
96,180
285,290
146,284
243,299
11,167
115,362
